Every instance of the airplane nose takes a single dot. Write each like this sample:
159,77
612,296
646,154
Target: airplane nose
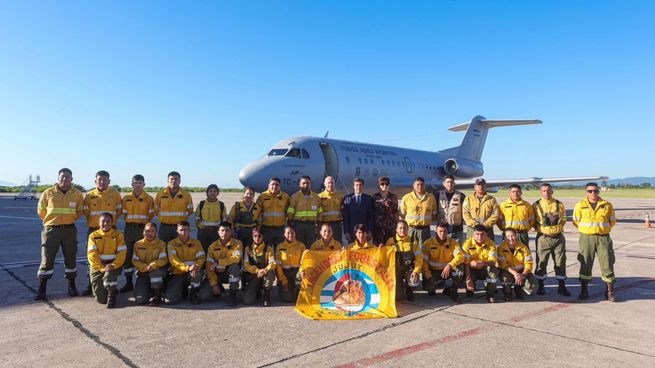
253,175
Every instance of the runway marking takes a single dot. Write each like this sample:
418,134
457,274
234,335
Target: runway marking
21,218
397,353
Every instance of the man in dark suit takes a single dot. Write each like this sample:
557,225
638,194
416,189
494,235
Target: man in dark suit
358,208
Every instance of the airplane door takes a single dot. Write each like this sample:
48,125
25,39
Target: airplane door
408,165
331,160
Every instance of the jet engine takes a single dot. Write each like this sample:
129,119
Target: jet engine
463,168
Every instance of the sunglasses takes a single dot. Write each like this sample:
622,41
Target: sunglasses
596,191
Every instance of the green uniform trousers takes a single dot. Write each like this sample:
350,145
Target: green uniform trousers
52,238
101,282
590,245
255,284
547,247
146,281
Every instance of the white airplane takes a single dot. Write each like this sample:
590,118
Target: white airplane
317,157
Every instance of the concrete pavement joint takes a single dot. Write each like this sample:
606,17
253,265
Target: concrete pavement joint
77,324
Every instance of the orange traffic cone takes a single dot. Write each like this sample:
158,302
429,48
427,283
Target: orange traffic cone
647,221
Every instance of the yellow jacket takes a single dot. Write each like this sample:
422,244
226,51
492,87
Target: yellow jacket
419,211
405,245
149,253
173,210
106,248
288,255
59,208
520,259
183,255
356,245
243,217
220,256
591,221
437,255
331,204
274,208
320,245
517,215
138,210
485,252
261,253
304,208
96,203
209,213
544,212
480,211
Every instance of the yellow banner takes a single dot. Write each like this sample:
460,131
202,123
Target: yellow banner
348,284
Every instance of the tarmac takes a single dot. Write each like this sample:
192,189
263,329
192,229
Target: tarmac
542,331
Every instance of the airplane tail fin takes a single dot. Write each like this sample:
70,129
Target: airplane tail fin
476,135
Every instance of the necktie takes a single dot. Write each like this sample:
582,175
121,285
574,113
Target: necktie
357,199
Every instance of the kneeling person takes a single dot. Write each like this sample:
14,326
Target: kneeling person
150,261
326,241
106,254
260,269
187,260
223,265
409,261
287,256
444,261
480,258
515,262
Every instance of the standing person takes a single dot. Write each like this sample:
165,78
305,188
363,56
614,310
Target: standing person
449,209
358,208
187,261
550,218
260,268
138,210
594,217
172,206
517,214
386,212
59,207
419,209
332,203
304,209
326,241
515,264
244,216
150,261
480,258
287,256
98,201
480,209
409,261
444,261
361,238
223,265
106,254
209,214
273,203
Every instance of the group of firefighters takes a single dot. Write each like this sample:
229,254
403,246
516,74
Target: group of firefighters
260,241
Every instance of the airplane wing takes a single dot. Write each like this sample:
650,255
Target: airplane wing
469,183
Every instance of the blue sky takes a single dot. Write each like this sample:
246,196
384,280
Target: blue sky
204,87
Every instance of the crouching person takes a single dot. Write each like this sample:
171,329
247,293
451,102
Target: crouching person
409,261
260,269
223,265
287,256
443,261
187,259
480,262
106,254
515,262
150,261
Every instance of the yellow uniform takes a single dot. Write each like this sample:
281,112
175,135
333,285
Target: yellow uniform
357,245
181,256
97,202
519,259
406,246
106,248
149,253
220,257
287,256
485,252
482,211
210,214
274,208
320,245
543,219
331,205
438,255
241,216
138,209
57,208
516,215
171,210
590,221
262,252
419,211
304,207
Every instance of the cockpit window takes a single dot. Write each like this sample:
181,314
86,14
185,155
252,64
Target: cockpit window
305,154
277,152
294,152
